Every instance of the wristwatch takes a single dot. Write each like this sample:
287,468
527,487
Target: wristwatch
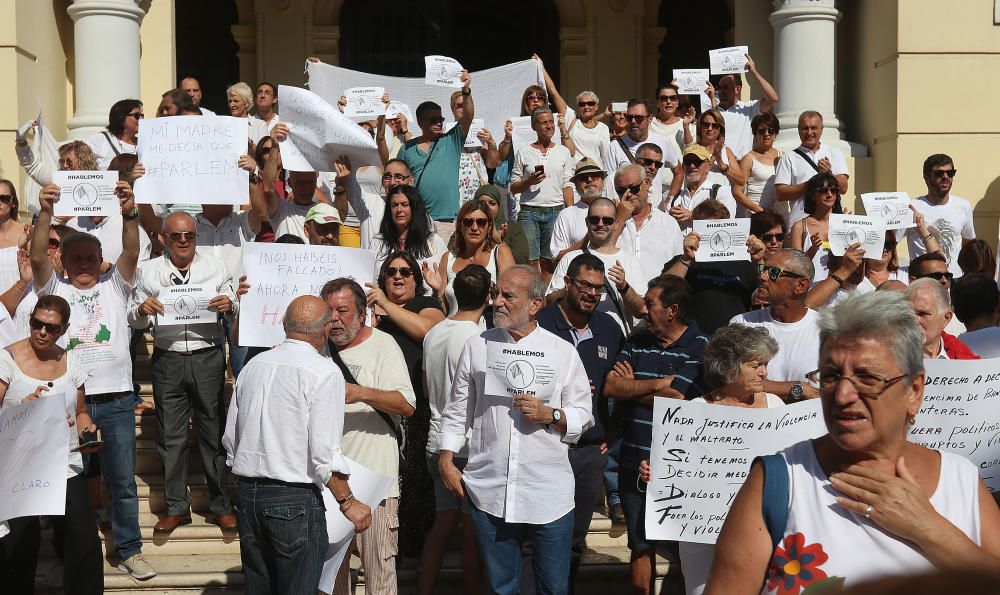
466,91
556,416
796,392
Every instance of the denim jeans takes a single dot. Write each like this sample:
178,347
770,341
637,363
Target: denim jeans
611,472
500,543
283,537
237,354
537,225
116,418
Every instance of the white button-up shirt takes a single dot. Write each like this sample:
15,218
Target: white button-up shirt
689,200
226,240
518,470
286,419
655,242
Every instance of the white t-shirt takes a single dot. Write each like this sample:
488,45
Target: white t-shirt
98,333
672,132
569,228
634,275
259,128
739,137
590,142
559,167
985,342
655,242
290,218
104,150
616,157
443,345
798,343
794,169
950,223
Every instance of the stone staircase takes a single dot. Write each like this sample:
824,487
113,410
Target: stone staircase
202,558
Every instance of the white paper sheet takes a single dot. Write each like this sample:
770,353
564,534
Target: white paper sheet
34,452
893,208
471,140
88,193
364,102
318,133
187,304
442,71
619,107
397,107
513,370
728,60
846,230
722,239
691,81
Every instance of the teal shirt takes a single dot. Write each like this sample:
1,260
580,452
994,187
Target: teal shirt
438,185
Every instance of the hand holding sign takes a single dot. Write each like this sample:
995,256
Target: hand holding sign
364,102
691,81
846,230
90,193
185,304
731,60
725,239
892,207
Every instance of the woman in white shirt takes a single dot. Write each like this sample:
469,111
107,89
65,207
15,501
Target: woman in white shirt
405,226
239,98
759,166
667,122
122,132
811,235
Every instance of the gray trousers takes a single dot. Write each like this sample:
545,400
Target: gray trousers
180,383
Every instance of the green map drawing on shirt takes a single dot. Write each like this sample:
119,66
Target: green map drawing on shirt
103,335
73,342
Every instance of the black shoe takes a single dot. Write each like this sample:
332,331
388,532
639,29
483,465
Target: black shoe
616,514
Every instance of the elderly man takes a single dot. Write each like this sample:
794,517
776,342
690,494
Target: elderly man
623,149
289,216
650,235
322,225
812,157
934,265
283,435
738,114
189,370
949,217
699,186
932,304
571,224
518,478
379,393
192,87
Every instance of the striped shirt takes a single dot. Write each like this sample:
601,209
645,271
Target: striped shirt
649,361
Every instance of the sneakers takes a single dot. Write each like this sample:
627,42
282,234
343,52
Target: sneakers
138,567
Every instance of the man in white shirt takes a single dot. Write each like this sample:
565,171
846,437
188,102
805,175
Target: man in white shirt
288,216
948,217
785,280
192,87
282,440
379,394
795,168
738,114
263,123
518,477
622,150
571,224
976,300
699,186
650,235
189,370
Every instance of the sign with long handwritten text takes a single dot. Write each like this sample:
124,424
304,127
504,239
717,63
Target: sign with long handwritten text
701,455
34,452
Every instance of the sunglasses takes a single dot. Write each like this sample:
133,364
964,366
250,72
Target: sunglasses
588,177
634,189
594,220
646,162
669,98
66,162
6,198
137,115
828,190
763,130
587,103
937,276
394,177
940,173
536,97
54,243
773,237
37,325
712,125
774,273
437,120
635,117
693,161
586,287
404,272
477,221
181,235
265,150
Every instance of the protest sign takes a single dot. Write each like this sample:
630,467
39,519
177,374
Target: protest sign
442,71
471,140
722,239
846,230
279,273
187,304
512,371
318,133
728,60
619,107
368,487
193,160
893,208
961,413
34,453
691,81
364,102
395,108
701,455
89,193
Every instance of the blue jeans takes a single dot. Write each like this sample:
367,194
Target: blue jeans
611,472
537,224
283,537
500,543
237,354
116,419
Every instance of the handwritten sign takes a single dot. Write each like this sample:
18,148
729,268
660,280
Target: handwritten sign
722,239
471,139
442,71
187,304
961,413
513,370
691,81
34,453
846,230
701,455
318,133
893,208
86,193
279,273
364,102
193,160
728,60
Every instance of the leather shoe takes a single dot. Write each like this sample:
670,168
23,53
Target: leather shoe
170,522
226,522
616,514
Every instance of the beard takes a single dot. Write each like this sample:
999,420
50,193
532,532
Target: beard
350,332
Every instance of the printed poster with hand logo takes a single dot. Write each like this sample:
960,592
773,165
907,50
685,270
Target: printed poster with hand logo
513,370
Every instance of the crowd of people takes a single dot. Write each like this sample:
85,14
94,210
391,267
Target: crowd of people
580,249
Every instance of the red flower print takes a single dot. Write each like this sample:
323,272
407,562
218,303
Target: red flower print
795,566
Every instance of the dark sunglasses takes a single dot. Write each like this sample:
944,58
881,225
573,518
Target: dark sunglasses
937,276
6,198
37,325
828,190
774,273
404,272
265,150
634,189
66,161
646,162
437,120
54,243
669,98
137,115
763,130
537,97
181,235
587,103
635,117
594,220
940,173
773,237
712,125
694,161
478,221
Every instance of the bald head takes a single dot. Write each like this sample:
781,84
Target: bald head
306,319
178,219
892,285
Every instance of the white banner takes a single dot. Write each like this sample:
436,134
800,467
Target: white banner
472,138
691,81
89,193
512,371
893,208
193,160
701,455
722,239
318,133
728,60
846,230
364,102
279,273
187,304
34,453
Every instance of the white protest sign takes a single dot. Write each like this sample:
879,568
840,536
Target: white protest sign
364,102
691,81
368,487
728,60
279,273
471,140
722,239
523,134
34,453
701,455
442,71
619,107
187,304
893,208
395,108
846,230
961,413
318,133
513,370
193,160
86,193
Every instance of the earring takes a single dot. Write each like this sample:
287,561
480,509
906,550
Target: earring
911,419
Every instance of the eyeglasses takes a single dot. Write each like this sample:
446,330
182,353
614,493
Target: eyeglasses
828,190
773,237
764,130
585,287
712,125
54,243
394,177
6,198
634,189
693,161
669,98
588,177
177,236
774,273
646,162
37,325
937,276
477,221
437,120
594,220
940,173
635,117
137,115
866,385
404,272
265,150
587,103
535,97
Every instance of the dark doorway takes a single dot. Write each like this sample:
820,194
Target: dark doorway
693,28
206,49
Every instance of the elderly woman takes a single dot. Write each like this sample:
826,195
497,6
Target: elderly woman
239,98
861,502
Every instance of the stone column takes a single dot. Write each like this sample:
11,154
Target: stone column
106,60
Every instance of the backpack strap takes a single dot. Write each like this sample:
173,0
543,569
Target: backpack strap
111,143
714,192
774,499
808,158
631,157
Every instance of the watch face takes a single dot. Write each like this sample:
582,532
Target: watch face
557,415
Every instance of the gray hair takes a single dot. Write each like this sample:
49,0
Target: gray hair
798,262
583,94
627,166
809,113
536,285
242,92
537,113
941,296
650,147
731,346
883,315
308,327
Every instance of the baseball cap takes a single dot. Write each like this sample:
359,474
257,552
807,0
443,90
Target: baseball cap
698,151
323,213
588,166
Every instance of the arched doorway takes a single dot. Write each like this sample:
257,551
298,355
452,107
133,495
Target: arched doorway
206,49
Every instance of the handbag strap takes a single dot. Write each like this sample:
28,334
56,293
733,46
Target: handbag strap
803,154
111,143
349,377
631,157
774,499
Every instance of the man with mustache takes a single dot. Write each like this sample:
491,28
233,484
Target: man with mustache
570,228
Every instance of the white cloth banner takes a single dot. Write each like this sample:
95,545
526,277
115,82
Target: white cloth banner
846,230
318,133
193,160
496,91
86,193
722,239
701,455
368,487
34,453
279,273
893,208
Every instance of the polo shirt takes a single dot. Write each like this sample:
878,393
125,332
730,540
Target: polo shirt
650,360
438,185
598,347
794,169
